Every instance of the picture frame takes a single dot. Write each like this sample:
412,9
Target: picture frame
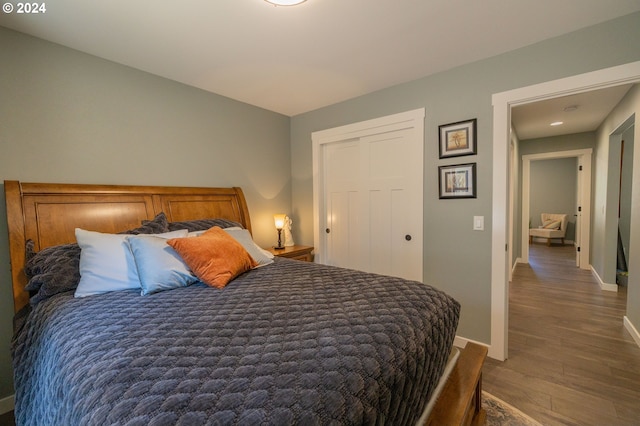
457,181
458,139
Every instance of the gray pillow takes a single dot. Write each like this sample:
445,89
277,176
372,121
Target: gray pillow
203,224
158,225
52,270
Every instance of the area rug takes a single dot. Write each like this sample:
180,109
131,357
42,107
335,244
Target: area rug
499,413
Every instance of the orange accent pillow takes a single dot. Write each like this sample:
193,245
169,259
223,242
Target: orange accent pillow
214,257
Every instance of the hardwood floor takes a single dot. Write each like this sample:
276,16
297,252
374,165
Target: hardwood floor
571,360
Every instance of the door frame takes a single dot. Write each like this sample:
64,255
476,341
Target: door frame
502,103
584,158
612,220
413,119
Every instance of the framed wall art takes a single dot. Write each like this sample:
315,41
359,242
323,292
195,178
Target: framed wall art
457,139
457,181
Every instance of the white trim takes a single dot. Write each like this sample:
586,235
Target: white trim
502,103
512,201
499,224
584,156
461,342
7,404
402,120
632,330
603,286
513,268
405,120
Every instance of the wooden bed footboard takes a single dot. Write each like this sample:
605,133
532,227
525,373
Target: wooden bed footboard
460,402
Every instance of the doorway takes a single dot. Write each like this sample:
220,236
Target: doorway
619,190
502,103
583,222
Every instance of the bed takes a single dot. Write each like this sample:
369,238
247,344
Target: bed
287,342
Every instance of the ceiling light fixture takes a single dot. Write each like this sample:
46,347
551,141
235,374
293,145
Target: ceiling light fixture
285,2
556,123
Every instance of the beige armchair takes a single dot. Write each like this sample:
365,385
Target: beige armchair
553,226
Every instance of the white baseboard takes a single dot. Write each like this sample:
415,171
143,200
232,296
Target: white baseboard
7,404
603,285
515,264
632,330
461,342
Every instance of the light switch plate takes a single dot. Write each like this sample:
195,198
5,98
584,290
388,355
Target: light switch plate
478,223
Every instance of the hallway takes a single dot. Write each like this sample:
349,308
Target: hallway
571,360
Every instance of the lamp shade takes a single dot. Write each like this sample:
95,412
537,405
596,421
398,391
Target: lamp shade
279,220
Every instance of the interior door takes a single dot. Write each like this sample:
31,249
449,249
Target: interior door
391,237
343,204
373,198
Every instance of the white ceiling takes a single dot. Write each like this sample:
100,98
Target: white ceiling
579,113
296,59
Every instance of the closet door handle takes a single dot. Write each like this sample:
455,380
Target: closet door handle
407,237
328,231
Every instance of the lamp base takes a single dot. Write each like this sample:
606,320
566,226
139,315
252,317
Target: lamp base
279,246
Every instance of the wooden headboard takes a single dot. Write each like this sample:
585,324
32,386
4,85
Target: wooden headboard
49,213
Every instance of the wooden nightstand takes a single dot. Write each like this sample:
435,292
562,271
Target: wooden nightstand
294,252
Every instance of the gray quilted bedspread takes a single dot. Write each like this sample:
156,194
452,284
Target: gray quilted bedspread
288,343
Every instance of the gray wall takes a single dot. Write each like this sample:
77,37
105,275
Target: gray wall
456,258
570,142
69,117
553,189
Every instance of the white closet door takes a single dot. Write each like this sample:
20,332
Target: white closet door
343,204
393,237
373,198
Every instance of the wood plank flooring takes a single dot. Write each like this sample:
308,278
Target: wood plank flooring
571,360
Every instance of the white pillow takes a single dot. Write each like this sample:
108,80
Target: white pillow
260,255
243,236
106,262
159,266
